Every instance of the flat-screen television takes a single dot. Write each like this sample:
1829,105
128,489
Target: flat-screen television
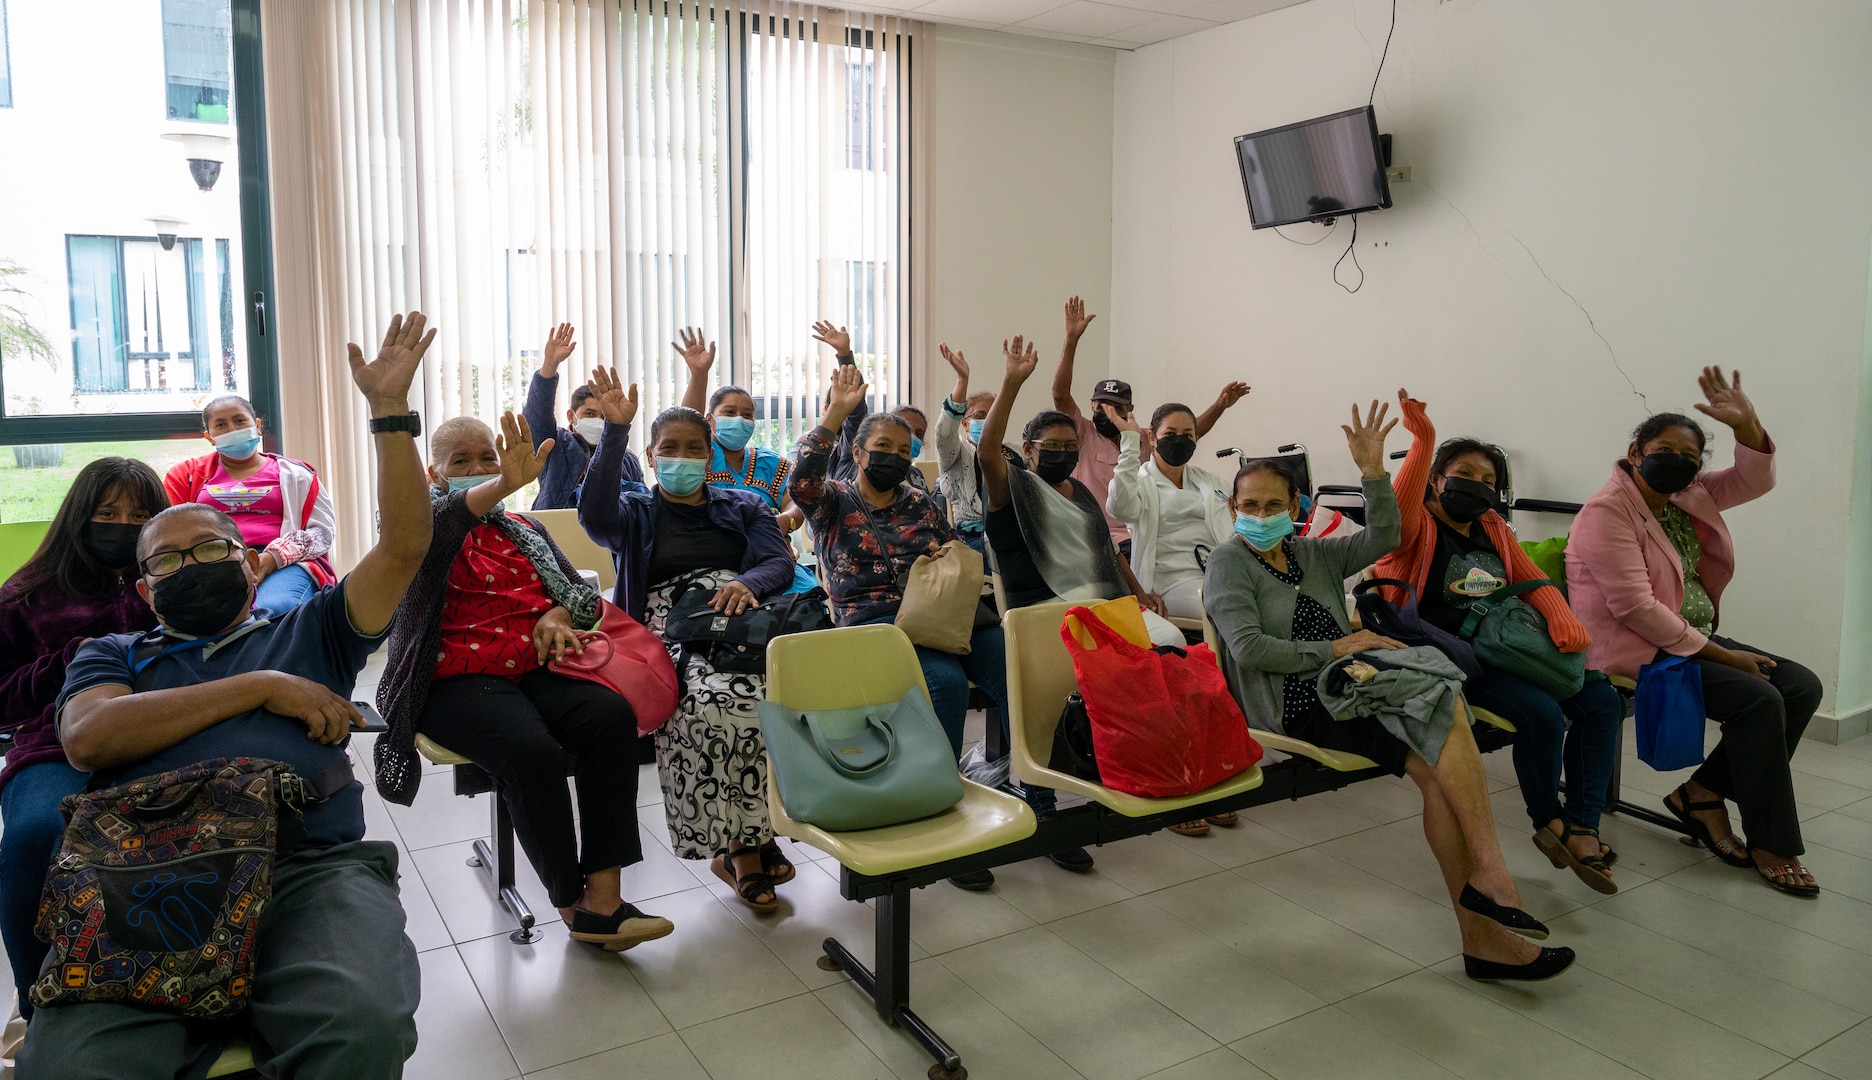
1314,170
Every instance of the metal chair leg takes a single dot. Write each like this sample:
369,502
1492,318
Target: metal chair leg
889,986
498,865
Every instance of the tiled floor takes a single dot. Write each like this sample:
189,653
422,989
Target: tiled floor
1313,940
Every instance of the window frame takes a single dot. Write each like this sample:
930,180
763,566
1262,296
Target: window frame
6,58
249,97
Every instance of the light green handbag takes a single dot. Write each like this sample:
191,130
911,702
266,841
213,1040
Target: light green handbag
1510,635
863,768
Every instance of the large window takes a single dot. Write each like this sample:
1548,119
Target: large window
6,62
126,290
196,38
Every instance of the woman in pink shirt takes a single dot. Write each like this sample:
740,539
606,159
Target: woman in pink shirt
1647,563
282,510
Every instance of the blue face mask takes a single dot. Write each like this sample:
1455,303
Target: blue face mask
975,427
1263,533
916,448
733,432
680,476
463,483
239,444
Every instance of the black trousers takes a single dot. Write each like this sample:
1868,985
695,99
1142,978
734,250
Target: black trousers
526,734
1762,721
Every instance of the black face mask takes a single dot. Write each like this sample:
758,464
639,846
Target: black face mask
1668,473
886,471
1056,465
1176,449
1465,500
112,543
1104,425
201,598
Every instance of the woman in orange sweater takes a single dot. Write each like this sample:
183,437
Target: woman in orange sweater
1456,548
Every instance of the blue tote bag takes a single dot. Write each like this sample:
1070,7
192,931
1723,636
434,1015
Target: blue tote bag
1669,714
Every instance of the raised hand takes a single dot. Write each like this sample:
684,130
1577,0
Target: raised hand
618,404
1076,319
697,351
1727,403
520,464
1021,358
835,336
385,381
559,345
956,360
1118,418
848,392
1232,393
1366,439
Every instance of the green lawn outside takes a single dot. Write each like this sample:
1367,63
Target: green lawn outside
35,494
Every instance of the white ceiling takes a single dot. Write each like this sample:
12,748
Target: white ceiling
1124,24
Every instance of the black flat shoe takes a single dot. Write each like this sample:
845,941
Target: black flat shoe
619,930
1073,858
1549,963
975,881
1511,917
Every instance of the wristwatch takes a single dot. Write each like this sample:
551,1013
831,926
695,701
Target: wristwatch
409,421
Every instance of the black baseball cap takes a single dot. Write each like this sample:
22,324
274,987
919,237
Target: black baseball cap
1116,391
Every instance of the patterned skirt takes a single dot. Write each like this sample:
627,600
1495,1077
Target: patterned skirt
710,756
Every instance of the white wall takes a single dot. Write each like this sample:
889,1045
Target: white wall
1604,192
1019,182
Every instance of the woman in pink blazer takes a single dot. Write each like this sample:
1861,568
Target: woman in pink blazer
1647,563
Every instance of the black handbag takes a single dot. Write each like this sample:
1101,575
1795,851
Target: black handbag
1072,742
1405,624
738,643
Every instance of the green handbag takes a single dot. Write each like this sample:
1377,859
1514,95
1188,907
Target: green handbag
1510,635
863,768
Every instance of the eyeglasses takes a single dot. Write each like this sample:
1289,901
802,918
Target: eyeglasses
1055,444
164,563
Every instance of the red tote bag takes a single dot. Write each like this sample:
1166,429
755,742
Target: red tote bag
628,658
1163,720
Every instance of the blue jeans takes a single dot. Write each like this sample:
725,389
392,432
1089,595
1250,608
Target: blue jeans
284,589
30,806
948,677
1543,743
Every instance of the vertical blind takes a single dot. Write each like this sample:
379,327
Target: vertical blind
631,166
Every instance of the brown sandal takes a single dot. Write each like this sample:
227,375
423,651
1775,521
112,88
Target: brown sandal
1199,827
778,867
1224,819
1592,869
1772,875
748,887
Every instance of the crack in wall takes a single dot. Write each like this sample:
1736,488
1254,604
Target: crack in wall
1591,324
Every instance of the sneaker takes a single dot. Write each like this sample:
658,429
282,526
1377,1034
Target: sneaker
975,881
1076,858
622,929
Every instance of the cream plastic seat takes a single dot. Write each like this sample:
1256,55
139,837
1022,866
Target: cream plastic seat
586,554
1040,676
1336,760
1490,718
1620,682
876,665
930,470
437,753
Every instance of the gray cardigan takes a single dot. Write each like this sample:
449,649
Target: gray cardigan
1253,611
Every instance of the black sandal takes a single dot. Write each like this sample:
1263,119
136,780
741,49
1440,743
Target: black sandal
775,864
1727,849
749,887
1592,869
1790,869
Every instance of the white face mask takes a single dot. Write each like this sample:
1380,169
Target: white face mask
589,428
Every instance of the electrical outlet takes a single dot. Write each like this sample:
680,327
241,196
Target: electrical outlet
1398,174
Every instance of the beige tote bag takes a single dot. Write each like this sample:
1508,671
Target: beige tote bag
941,597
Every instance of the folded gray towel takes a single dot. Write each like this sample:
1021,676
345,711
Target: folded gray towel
1413,694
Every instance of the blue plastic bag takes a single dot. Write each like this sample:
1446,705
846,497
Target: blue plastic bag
1669,714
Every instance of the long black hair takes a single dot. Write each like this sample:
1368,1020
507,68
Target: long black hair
63,561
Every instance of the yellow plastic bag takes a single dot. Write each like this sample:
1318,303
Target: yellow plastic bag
1123,615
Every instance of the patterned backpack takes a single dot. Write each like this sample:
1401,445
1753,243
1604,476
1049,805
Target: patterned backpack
156,893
